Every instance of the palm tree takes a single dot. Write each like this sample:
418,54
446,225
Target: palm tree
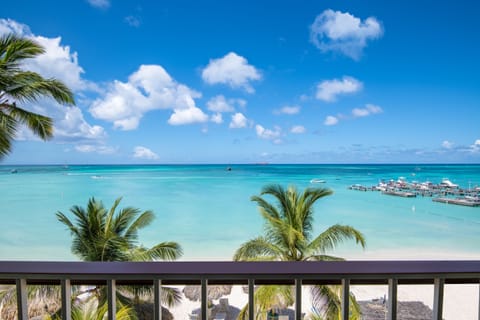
289,237
101,234
17,85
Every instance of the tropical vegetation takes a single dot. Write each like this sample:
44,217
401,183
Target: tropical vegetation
101,234
289,236
18,86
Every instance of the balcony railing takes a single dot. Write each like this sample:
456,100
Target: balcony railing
345,273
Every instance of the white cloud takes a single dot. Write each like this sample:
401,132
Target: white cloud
268,134
149,88
343,32
133,21
220,104
89,148
232,70
298,129
140,152
288,110
57,61
329,89
475,147
447,144
187,116
330,121
238,121
217,118
103,4
368,110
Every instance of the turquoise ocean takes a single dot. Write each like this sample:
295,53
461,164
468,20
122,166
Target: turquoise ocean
207,209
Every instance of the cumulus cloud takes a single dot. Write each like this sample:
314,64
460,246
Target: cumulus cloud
102,4
149,88
216,118
328,90
91,148
187,116
232,70
288,110
330,121
447,144
140,152
221,104
368,110
57,62
238,121
475,147
342,32
268,134
61,63
298,129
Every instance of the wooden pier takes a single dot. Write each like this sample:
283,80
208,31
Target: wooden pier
458,201
399,193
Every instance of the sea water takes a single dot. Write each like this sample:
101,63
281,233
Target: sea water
207,208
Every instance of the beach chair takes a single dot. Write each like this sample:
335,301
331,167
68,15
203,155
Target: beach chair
220,316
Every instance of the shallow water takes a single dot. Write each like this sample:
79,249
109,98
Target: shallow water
207,209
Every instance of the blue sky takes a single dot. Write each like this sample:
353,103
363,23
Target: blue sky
255,81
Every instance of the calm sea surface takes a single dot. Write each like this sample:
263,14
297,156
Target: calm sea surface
207,209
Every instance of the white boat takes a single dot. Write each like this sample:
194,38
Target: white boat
317,181
448,184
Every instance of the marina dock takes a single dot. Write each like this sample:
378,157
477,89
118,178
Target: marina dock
457,201
399,193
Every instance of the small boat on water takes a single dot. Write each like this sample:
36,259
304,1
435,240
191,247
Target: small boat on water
14,171
448,184
317,181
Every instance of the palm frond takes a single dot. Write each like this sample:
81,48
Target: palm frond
256,248
8,126
335,235
41,125
162,251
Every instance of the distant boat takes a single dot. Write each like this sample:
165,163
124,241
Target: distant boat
13,171
447,183
317,181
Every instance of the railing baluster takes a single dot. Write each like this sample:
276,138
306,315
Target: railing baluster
438,298
204,297
157,299
392,299
298,299
66,299
345,298
112,299
479,300
251,299
22,305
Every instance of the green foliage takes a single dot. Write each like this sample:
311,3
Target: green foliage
107,235
289,236
17,85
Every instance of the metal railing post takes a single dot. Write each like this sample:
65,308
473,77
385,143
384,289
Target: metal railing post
345,299
392,298
204,297
438,298
22,305
66,299
111,299
298,299
251,299
157,299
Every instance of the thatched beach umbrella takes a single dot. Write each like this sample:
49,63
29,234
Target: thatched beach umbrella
193,293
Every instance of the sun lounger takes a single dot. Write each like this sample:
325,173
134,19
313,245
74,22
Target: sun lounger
220,316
